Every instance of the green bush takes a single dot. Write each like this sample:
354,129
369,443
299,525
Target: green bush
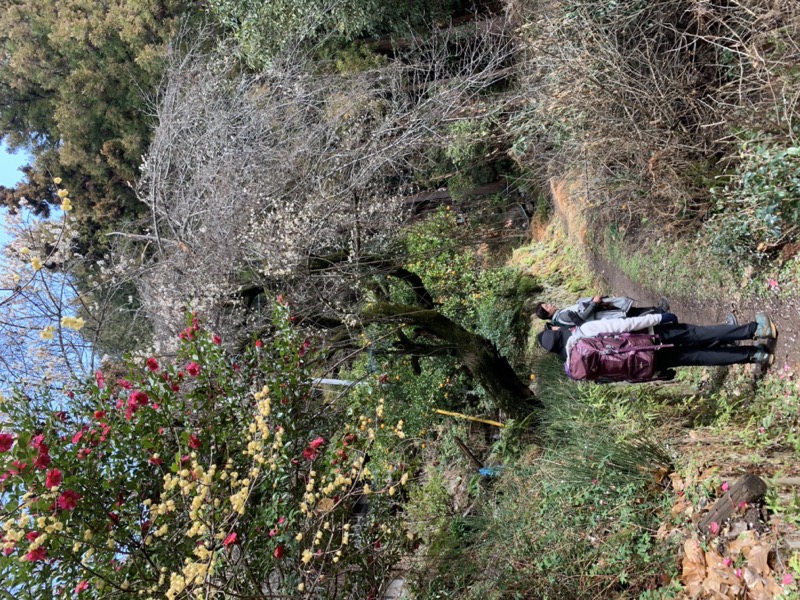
760,207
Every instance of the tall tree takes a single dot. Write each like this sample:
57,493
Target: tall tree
292,181
75,77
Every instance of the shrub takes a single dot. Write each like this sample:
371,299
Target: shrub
759,209
204,475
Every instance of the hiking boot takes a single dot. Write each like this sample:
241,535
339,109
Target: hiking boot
663,306
730,319
766,327
762,356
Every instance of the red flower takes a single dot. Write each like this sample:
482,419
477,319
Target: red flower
53,478
193,369
81,586
19,467
194,441
42,459
37,440
9,551
124,384
259,343
68,500
100,379
230,540
309,454
36,555
32,535
139,398
77,437
279,552
6,441
152,364
114,518
316,443
99,414
216,339
156,460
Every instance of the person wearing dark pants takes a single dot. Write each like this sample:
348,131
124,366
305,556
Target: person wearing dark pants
695,345
686,344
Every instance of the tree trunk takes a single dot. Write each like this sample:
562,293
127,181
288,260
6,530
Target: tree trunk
478,354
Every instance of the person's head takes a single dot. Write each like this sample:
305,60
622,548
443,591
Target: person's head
554,340
545,311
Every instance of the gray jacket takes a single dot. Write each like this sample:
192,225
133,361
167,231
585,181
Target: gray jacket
586,310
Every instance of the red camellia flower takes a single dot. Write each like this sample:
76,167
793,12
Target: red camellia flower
100,379
32,535
138,398
193,369
316,443
81,586
216,339
36,555
194,441
279,552
99,414
43,458
152,364
77,437
156,460
124,384
230,540
259,343
6,441
309,453
68,500
37,440
53,478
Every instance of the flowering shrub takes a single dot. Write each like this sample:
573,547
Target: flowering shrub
204,475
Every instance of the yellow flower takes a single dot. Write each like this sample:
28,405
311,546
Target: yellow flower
47,333
75,323
36,263
24,251
307,556
57,180
66,205
63,193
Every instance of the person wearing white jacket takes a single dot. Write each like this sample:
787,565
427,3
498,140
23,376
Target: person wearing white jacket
690,345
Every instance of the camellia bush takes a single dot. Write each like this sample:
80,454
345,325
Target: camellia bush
205,476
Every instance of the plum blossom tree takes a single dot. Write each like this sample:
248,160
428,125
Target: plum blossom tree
290,181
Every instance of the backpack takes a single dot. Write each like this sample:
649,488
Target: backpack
610,357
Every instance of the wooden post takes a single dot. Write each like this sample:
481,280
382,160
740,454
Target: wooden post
747,489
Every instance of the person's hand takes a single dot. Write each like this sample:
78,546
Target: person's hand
597,299
668,318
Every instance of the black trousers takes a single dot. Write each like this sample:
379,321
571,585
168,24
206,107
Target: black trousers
704,346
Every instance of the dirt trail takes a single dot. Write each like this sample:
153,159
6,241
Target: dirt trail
785,313
569,196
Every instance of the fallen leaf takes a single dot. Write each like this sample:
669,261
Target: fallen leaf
757,559
694,567
744,541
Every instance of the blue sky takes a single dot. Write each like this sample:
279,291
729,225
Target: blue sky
9,166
